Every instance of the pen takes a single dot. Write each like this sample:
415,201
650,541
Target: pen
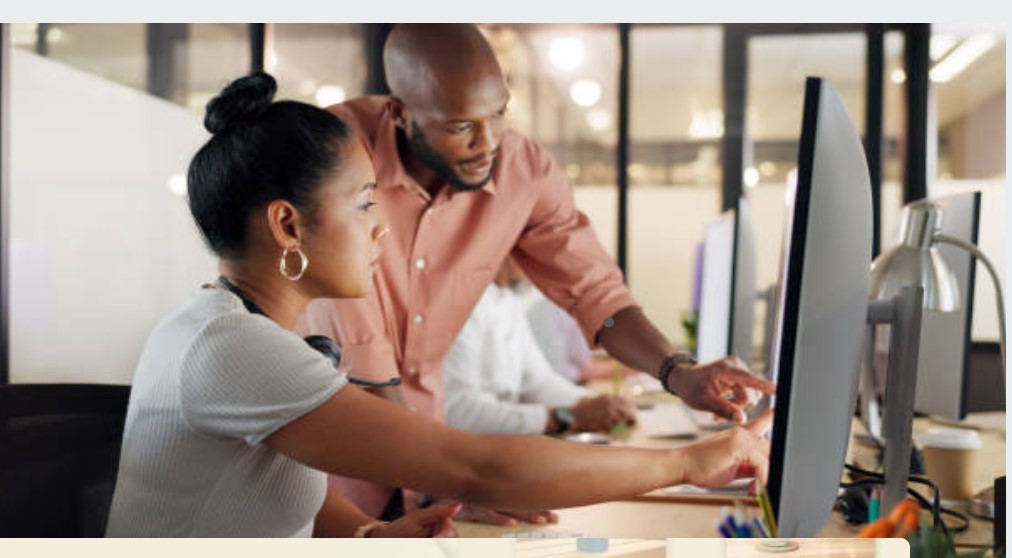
723,529
741,523
767,510
727,520
757,524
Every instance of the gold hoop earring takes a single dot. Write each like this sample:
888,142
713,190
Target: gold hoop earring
283,267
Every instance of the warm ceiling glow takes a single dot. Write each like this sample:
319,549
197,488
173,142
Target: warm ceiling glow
177,185
751,177
962,56
586,92
566,53
599,120
328,95
941,44
707,124
55,35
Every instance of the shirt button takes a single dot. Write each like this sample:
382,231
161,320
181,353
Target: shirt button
420,263
412,371
418,318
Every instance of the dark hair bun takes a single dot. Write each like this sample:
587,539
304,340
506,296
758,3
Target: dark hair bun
242,102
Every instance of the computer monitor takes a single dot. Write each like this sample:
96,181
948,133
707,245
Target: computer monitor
943,364
943,367
727,293
822,305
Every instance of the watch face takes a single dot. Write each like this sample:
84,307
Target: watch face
564,417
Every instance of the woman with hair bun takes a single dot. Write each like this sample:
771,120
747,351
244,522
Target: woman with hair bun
234,420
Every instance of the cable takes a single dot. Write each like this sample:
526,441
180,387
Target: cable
935,506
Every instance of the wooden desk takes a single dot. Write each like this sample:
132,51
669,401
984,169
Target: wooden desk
566,548
653,517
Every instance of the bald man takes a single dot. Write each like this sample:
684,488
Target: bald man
461,192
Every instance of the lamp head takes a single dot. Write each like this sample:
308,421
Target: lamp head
916,261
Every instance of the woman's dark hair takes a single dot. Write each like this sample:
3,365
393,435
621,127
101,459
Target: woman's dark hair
261,151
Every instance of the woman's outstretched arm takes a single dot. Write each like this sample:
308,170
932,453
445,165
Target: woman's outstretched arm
359,435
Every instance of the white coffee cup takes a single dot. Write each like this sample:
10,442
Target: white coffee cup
950,460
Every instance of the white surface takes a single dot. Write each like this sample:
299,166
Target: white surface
100,248
668,420
716,289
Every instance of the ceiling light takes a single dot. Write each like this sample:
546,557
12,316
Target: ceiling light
707,124
177,185
586,92
941,44
898,76
962,56
566,53
328,95
751,177
55,35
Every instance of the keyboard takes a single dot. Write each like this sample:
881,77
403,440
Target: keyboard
676,420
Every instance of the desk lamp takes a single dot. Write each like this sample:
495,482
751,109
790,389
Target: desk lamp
914,262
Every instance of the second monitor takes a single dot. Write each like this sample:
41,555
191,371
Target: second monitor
727,293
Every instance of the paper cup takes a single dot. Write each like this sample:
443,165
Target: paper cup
950,460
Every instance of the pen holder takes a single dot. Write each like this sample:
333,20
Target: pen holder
777,545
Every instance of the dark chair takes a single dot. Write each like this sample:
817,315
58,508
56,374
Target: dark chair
59,451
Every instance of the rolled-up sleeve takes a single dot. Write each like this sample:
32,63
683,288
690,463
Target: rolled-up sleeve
560,253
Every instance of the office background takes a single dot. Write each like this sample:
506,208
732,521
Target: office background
659,127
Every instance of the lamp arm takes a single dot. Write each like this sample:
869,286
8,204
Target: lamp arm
960,243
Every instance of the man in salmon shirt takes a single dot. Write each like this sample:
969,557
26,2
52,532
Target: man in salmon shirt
460,192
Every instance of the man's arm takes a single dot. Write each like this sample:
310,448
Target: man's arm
634,341
718,386
561,255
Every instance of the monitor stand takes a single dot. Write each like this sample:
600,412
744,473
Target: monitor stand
891,427
777,546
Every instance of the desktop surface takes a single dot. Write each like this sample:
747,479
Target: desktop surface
667,514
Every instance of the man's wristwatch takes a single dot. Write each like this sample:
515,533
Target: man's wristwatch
669,364
563,417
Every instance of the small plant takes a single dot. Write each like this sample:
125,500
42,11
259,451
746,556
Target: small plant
925,540
690,323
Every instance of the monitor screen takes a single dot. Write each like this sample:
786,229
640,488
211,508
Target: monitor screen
727,286
943,366
821,309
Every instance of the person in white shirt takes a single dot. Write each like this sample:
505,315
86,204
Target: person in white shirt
498,380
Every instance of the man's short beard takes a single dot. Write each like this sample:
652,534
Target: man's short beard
420,148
